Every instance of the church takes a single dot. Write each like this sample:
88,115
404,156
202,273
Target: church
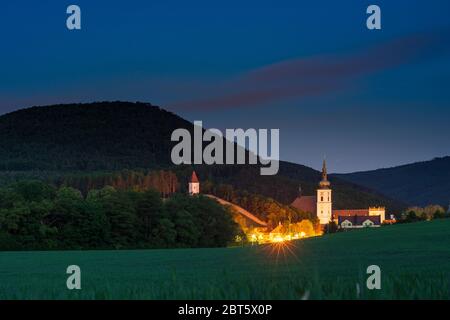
322,206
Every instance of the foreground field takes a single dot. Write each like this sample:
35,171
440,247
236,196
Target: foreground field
414,260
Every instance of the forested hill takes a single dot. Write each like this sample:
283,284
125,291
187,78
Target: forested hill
419,183
111,136
97,136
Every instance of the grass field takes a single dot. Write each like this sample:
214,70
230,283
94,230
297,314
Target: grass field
414,261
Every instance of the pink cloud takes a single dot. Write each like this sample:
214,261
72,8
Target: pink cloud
312,76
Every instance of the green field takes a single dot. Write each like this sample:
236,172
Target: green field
414,259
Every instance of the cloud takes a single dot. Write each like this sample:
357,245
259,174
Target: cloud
312,76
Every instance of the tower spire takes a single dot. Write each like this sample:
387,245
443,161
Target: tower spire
324,183
324,170
194,177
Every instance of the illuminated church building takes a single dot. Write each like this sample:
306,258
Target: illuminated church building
322,206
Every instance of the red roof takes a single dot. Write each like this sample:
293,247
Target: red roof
305,204
194,177
350,212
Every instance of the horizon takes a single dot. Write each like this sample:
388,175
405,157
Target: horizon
363,99
318,168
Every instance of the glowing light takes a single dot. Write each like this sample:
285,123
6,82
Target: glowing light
302,234
278,239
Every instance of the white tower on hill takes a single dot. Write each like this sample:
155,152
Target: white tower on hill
194,184
324,203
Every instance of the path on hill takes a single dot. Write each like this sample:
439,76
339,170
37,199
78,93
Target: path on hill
239,209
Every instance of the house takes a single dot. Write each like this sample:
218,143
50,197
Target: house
365,221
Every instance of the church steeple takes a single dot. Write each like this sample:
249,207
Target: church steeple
324,170
324,207
324,183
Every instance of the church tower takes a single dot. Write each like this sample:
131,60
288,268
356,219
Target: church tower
194,184
324,203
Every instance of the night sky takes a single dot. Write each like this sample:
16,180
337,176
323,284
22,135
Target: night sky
364,99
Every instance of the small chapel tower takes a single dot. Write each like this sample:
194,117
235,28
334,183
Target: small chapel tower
324,203
194,184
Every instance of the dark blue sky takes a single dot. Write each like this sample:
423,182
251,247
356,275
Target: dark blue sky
364,99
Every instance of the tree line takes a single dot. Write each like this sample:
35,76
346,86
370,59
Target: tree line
164,181
38,216
430,212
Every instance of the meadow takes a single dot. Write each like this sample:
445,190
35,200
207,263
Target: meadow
414,260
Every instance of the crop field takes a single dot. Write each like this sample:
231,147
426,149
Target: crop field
414,260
